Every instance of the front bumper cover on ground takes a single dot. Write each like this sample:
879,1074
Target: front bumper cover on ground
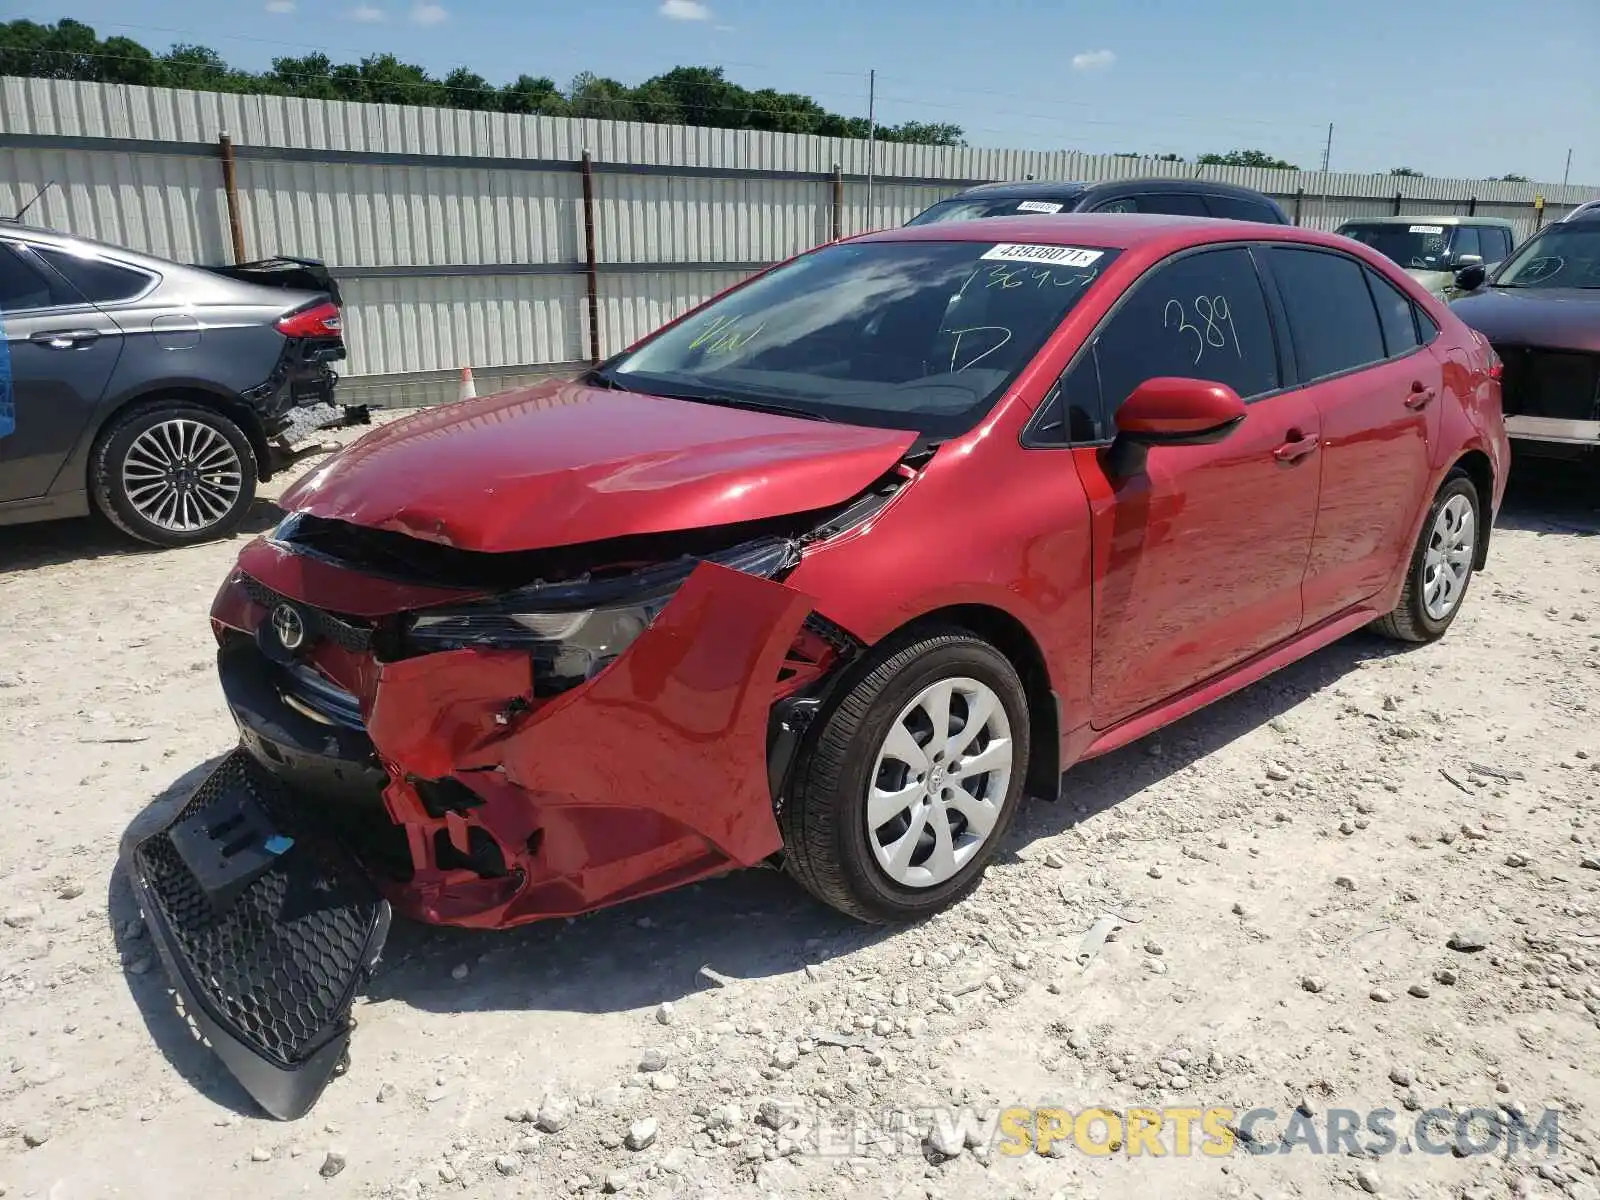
266,929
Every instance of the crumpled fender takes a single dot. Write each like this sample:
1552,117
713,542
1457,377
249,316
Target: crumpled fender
677,725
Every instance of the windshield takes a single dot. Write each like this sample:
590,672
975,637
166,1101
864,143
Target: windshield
1419,247
1563,256
922,336
975,207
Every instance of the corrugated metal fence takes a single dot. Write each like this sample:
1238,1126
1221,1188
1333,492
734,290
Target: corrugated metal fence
464,239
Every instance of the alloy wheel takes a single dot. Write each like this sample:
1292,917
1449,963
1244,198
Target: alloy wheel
1448,560
182,475
940,782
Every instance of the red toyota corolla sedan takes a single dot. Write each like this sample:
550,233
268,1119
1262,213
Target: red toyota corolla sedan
829,573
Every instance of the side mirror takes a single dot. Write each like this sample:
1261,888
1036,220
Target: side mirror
1468,260
1170,411
1471,277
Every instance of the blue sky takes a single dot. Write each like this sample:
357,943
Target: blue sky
1472,88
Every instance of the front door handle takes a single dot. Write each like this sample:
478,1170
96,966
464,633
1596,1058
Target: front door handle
1296,447
1420,397
66,339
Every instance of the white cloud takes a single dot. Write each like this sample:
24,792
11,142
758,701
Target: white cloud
367,14
428,14
684,10
1093,60
280,6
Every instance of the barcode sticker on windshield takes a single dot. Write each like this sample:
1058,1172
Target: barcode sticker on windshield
1427,229
1064,256
1039,206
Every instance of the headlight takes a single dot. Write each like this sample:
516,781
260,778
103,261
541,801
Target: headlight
574,630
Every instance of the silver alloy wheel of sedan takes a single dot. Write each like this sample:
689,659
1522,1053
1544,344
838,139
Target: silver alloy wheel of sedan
1448,560
182,475
940,782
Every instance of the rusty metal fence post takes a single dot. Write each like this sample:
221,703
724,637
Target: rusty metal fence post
838,201
230,190
591,257
1299,199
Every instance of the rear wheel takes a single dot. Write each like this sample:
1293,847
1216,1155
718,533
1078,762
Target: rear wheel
1441,565
912,781
174,474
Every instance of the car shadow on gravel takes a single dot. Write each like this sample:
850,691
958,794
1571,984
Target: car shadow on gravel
1551,497
84,539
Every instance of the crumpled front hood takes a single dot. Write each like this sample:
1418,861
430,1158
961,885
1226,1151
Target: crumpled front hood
1555,318
563,463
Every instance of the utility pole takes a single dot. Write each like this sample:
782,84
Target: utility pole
1327,150
1568,171
872,137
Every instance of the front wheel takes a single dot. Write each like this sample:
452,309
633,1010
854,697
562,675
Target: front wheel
1441,565
912,781
174,474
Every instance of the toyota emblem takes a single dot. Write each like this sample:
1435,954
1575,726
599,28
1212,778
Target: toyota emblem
286,623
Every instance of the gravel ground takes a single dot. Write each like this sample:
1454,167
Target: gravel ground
1371,882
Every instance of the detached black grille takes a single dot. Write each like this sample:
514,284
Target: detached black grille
1550,383
319,624
277,961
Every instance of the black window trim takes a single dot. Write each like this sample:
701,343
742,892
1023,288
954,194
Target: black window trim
151,280
1265,265
1031,437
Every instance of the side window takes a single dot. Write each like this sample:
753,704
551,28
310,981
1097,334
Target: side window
1427,329
96,280
1181,204
1073,415
1201,317
1394,314
1123,204
1237,208
1332,320
22,284
1496,243
1465,241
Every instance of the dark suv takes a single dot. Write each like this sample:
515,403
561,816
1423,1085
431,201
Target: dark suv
157,393
1181,197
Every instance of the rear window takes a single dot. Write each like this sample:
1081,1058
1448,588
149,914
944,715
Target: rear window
1241,208
976,207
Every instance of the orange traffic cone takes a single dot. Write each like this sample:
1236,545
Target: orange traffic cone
468,390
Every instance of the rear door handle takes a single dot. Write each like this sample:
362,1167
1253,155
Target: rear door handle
66,339
1297,447
1420,397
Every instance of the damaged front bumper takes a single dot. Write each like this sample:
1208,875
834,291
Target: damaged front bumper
266,928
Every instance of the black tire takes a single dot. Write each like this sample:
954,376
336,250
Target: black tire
110,453
1410,622
824,823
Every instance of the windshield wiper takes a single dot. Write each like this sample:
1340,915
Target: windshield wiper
766,406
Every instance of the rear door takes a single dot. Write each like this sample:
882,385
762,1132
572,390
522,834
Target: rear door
1199,558
63,350
1358,356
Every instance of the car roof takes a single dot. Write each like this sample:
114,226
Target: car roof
1431,219
148,262
1061,189
1108,231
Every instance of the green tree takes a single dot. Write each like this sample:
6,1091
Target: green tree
198,68
468,89
310,76
1246,158
1511,178
600,99
533,96
1411,171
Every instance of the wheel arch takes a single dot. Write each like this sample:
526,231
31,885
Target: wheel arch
1015,640
188,392
1476,466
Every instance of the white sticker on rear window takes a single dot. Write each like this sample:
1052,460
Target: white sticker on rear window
1065,256
1040,206
1427,229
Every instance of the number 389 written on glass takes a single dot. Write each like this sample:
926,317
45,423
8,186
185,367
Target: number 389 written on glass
1215,330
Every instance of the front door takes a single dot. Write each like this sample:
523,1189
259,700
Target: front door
1199,557
62,351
